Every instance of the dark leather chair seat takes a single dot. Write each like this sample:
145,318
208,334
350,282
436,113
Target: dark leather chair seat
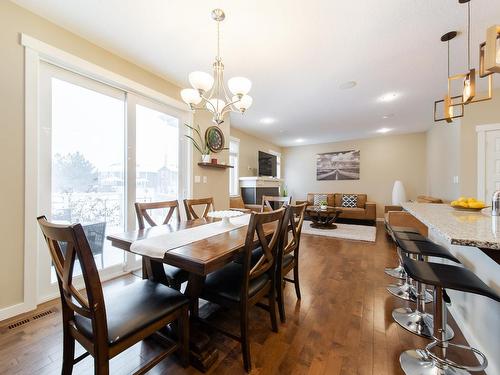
426,248
447,276
256,254
396,229
175,273
227,282
402,236
133,307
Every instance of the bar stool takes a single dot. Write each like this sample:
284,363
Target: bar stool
418,321
434,359
399,271
406,290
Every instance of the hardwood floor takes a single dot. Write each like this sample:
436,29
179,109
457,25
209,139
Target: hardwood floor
342,325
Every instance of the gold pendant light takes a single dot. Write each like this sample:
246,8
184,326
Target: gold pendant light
489,51
449,103
469,78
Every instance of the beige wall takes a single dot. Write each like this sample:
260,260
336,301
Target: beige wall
383,160
443,160
249,148
13,21
483,113
452,150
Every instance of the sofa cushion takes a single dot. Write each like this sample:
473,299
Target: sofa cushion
361,200
330,198
349,200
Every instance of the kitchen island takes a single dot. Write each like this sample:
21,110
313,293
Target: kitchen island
470,236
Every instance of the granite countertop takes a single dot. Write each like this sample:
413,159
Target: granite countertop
464,228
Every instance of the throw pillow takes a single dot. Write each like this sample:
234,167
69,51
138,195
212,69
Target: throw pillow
349,200
318,198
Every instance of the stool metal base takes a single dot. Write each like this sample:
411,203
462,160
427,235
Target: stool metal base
419,323
407,292
398,272
416,362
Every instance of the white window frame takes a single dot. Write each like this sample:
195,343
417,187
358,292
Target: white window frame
36,51
236,167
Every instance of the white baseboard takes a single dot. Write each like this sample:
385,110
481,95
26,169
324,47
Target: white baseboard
11,311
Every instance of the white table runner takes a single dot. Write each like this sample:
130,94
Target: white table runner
156,247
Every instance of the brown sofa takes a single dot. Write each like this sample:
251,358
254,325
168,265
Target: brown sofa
365,210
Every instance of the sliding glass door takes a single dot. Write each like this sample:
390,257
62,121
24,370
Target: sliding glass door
102,149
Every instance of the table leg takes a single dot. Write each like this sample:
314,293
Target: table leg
154,271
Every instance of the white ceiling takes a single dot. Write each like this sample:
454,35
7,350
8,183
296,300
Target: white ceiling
297,54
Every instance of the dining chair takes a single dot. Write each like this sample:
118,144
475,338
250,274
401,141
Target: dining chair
241,286
106,322
189,205
280,202
288,255
175,276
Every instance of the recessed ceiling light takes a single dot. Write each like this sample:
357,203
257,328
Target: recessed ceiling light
390,115
299,140
383,130
267,120
389,97
347,85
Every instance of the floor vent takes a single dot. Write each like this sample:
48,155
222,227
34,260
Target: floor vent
25,321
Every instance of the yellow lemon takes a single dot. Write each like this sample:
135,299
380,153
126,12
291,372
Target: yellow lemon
477,204
462,199
454,203
464,204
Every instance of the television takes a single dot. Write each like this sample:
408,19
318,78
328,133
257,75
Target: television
267,164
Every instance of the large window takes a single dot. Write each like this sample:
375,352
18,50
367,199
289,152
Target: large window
234,155
102,149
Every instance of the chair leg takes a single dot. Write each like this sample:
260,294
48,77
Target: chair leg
68,353
101,364
272,308
245,344
281,298
296,278
184,336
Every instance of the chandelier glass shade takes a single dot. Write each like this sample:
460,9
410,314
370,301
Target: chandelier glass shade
208,91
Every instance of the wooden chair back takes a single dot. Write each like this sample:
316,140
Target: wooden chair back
293,227
189,205
141,210
267,199
92,305
267,261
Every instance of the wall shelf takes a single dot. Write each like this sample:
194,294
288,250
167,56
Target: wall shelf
213,165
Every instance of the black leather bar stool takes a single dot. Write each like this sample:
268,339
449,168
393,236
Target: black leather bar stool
418,321
399,271
406,290
435,358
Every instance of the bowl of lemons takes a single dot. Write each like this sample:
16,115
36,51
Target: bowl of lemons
468,204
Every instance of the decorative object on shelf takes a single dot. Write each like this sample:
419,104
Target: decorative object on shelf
209,92
214,160
225,215
201,145
214,137
398,193
343,165
492,49
449,102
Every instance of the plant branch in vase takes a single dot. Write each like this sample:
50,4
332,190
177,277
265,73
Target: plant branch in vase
200,144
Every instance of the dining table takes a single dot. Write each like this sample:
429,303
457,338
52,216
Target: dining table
198,258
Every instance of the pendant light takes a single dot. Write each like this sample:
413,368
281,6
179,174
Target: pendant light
469,89
489,52
449,112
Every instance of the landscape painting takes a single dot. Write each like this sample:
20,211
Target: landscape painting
343,165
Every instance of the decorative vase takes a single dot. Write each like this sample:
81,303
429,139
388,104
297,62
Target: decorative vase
398,193
205,158
323,207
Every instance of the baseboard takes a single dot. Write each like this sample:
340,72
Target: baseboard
17,309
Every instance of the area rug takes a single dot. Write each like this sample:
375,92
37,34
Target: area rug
344,231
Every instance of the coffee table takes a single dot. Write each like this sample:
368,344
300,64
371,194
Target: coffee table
323,218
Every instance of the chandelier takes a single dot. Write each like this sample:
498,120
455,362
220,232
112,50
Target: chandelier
209,93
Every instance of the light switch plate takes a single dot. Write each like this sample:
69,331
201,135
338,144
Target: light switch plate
205,179
197,179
